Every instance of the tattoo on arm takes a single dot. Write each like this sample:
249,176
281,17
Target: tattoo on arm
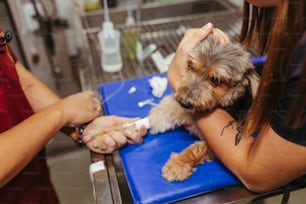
238,134
230,124
239,131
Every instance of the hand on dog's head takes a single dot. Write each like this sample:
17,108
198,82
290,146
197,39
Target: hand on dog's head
216,75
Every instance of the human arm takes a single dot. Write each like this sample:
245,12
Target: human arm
40,96
37,93
20,143
107,131
261,164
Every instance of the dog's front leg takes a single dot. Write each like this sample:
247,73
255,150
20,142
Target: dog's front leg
167,115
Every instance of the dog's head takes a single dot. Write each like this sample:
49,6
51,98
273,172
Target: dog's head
216,75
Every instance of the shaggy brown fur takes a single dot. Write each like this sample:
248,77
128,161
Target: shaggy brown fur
217,75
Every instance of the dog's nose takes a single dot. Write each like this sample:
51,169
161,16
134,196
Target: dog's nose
185,104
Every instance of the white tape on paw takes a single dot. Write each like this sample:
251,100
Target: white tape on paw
143,122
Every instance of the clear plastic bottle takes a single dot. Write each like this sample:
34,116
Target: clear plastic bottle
109,39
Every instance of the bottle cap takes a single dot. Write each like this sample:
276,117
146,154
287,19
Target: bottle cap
108,26
143,122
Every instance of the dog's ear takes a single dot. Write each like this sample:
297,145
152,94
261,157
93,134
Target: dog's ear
195,62
253,80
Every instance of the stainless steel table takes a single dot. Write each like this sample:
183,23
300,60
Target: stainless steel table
111,187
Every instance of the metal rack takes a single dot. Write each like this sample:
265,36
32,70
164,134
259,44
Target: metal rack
165,29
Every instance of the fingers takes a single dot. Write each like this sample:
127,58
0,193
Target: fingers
94,101
200,34
194,36
191,38
114,140
135,136
222,36
108,133
96,104
107,142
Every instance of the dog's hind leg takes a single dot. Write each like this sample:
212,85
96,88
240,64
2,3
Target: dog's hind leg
180,166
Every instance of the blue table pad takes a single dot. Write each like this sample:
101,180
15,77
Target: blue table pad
142,163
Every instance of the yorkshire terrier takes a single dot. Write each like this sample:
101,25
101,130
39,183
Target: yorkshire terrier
217,75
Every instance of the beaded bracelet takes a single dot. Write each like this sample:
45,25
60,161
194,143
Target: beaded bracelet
80,131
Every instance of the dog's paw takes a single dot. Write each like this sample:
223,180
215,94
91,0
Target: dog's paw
177,170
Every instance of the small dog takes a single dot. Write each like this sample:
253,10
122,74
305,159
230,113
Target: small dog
217,75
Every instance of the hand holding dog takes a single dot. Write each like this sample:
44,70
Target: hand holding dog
191,38
208,72
105,134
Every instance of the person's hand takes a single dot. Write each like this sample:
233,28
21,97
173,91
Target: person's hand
223,38
191,38
105,134
78,108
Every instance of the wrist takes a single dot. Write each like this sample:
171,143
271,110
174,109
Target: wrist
63,117
75,133
79,134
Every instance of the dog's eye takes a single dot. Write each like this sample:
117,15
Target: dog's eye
215,81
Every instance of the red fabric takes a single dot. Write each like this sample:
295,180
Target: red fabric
32,184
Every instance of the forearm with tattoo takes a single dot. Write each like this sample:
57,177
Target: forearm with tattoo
239,130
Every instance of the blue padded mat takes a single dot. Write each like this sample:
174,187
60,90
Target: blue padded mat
142,163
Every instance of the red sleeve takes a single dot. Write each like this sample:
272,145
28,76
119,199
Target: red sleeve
11,53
